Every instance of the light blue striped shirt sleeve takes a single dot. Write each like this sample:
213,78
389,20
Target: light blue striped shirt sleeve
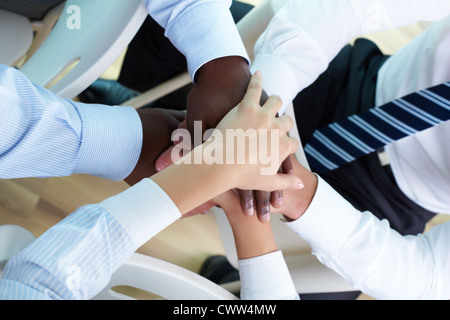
43,135
74,260
203,30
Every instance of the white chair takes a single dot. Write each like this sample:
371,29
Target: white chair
163,279
16,37
75,55
22,33
152,275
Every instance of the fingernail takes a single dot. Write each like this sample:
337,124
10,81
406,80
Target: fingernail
300,185
291,171
258,73
250,209
265,217
160,165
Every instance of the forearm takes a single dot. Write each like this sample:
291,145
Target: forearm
76,258
97,239
252,238
45,136
202,30
369,254
73,260
200,182
262,268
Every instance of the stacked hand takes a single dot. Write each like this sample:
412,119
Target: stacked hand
206,180
253,238
220,86
295,203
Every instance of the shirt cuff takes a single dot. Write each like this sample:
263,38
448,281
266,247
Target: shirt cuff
328,221
273,70
143,210
209,33
266,278
111,141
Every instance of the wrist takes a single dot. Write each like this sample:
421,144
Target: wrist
190,182
303,197
227,67
260,242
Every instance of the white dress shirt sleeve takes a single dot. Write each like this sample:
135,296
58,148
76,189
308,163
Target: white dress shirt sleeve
266,278
305,35
370,255
75,259
203,30
43,135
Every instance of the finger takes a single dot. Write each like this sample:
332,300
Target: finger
294,145
182,125
286,166
229,201
273,105
169,157
283,181
263,205
288,146
285,123
246,199
264,97
200,209
166,159
276,197
177,114
254,90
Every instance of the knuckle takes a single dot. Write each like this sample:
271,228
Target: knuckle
247,197
290,122
295,144
276,99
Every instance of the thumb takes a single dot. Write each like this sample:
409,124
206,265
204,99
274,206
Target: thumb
168,157
165,159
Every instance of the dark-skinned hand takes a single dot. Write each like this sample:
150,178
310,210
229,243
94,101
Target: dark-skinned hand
221,84
158,126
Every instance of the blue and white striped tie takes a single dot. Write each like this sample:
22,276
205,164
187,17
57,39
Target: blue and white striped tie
345,141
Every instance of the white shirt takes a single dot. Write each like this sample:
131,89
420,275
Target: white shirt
420,163
305,35
295,49
370,255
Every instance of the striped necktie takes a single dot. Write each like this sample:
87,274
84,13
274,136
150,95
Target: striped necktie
345,141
